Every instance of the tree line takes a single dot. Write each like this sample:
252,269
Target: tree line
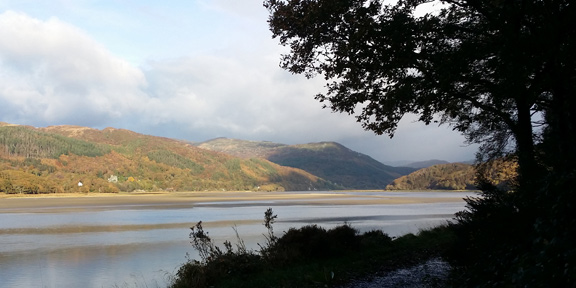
24,142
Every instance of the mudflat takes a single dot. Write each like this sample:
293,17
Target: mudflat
10,203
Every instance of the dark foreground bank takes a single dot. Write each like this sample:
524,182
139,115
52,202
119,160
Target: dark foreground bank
311,256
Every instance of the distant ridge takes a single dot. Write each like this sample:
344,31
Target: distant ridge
328,160
424,164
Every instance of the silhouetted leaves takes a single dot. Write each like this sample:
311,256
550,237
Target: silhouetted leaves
501,72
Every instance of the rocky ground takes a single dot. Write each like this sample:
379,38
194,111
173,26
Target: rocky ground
432,273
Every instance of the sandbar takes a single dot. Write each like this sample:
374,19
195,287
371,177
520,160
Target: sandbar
10,203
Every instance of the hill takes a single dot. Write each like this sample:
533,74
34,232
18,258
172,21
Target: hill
425,164
452,176
459,176
328,160
57,158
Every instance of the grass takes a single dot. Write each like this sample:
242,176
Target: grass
310,256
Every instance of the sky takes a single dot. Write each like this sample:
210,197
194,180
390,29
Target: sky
192,70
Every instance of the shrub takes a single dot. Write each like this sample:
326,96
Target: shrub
215,263
375,237
297,247
312,242
484,239
342,238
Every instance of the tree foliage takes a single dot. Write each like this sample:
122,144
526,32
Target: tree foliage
176,160
484,67
22,141
501,72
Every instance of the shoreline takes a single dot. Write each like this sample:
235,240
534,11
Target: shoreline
63,202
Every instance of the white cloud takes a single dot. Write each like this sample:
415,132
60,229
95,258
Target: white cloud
228,96
52,73
55,71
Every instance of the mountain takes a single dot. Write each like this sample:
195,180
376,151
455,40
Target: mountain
397,163
424,164
459,176
452,176
328,160
57,158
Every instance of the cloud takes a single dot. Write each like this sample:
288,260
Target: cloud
54,72
228,96
209,96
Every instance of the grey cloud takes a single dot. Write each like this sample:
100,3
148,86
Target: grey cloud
59,75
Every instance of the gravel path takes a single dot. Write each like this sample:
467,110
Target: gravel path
432,273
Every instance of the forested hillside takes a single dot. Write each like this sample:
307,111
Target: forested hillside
452,176
58,158
458,176
328,160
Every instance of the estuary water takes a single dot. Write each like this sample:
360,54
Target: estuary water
143,245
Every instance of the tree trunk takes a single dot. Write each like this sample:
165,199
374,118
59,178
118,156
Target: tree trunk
527,165
561,120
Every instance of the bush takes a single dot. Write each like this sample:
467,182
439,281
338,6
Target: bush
215,263
517,238
375,237
292,260
488,236
312,242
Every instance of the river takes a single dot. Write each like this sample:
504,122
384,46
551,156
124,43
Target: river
143,245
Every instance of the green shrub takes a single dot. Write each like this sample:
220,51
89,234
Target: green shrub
374,237
301,257
313,242
215,264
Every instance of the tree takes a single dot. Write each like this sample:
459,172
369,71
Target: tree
501,72
485,67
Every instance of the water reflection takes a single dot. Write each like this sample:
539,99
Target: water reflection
138,246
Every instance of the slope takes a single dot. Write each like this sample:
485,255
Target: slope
452,176
328,160
57,158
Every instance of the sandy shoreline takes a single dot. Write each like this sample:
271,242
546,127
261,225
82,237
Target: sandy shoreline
77,201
